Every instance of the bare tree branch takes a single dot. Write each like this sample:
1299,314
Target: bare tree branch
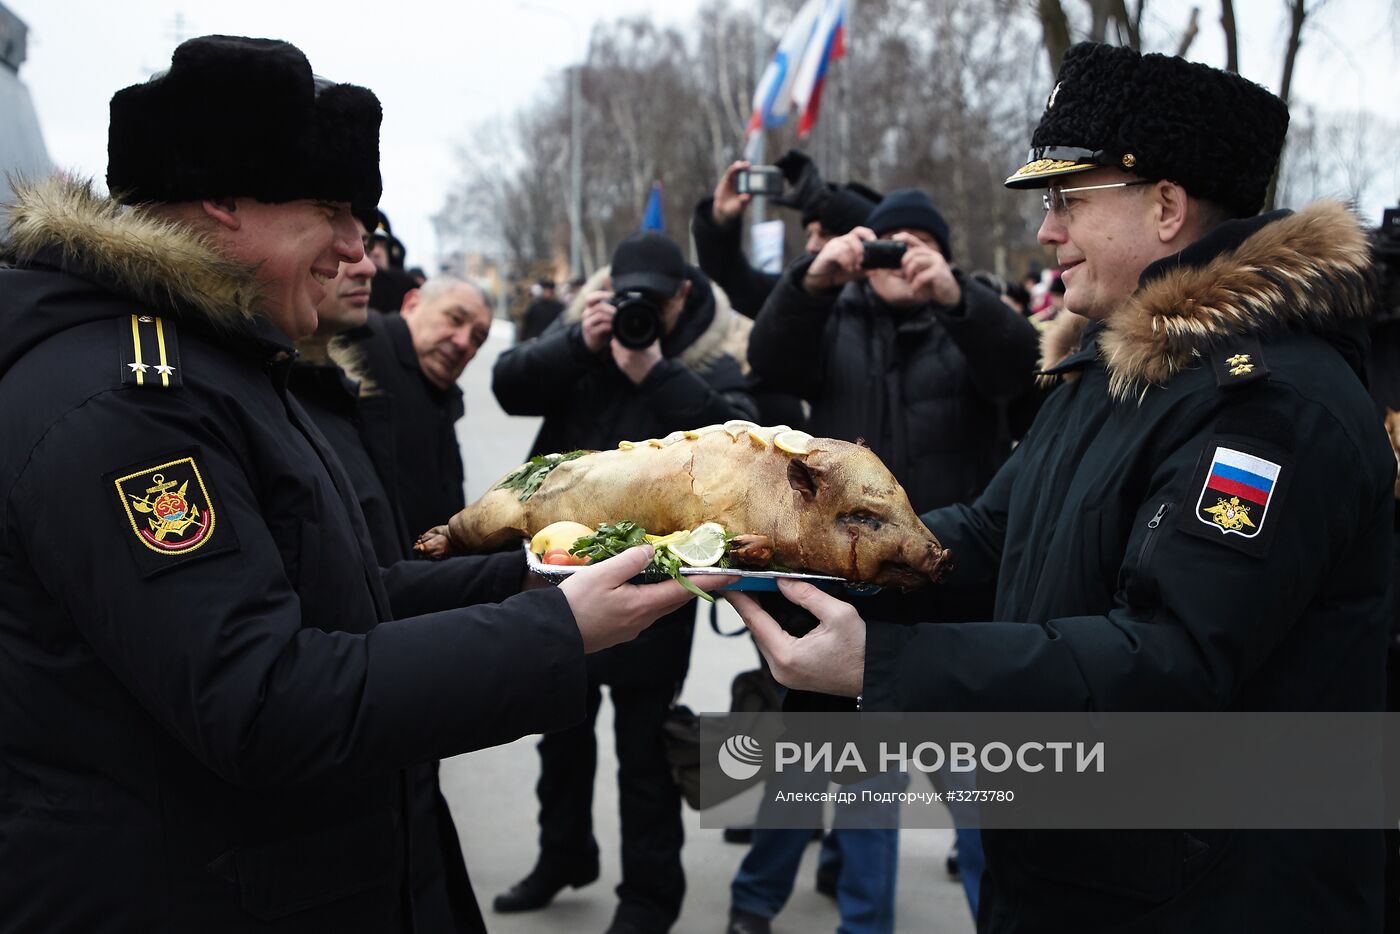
1189,36
1232,46
1297,16
1055,26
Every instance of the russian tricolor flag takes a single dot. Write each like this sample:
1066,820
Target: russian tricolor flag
795,77
1237,491
828,45
1244,475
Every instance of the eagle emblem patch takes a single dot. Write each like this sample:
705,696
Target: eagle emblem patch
169,511
1237,491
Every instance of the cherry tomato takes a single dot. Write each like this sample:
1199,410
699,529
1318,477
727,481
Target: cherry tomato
559,556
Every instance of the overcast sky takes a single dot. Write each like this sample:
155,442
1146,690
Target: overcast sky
441,68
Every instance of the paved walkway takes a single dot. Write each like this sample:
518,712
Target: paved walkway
492,792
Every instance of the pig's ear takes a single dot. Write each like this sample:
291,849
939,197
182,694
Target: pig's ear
805,479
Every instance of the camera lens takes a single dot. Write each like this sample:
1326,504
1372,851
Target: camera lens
637,323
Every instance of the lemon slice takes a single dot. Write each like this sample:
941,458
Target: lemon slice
695,433
625,445
661,540
702,548
656,442
793,442
737,427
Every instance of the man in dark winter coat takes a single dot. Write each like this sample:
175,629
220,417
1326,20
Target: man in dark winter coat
717,227
205,725
933,371
541,313
415,358
930,368
355,419
351,410
1199,519
594,393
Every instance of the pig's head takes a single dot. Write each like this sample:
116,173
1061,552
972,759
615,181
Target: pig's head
855,515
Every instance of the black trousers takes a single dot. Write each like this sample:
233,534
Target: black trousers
653,882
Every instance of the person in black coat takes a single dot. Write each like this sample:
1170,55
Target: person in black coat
208,713
415,359
541,313
717,227
355,419
329,380
594,393
932,369
1200,518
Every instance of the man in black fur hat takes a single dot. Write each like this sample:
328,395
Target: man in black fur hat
1174,534
205,726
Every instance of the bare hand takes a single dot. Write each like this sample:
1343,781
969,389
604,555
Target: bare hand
610,611
929,276
839,262
636,364
830,659
597,321
729,204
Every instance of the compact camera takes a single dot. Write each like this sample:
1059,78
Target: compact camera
766,180
883,254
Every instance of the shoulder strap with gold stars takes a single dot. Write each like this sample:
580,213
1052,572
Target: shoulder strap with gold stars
150,352
1238,361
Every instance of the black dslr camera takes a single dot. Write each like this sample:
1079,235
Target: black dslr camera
637,324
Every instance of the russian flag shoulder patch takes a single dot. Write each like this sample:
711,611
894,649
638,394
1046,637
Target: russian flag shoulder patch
1239,489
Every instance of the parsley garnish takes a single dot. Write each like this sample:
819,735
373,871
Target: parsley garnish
614,538
528,476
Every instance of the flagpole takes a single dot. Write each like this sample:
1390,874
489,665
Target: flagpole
755,153
846,68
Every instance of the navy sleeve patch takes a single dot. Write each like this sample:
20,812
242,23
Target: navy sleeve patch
1238,494
168,508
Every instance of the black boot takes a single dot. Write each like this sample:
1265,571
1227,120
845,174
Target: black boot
543,883
743,922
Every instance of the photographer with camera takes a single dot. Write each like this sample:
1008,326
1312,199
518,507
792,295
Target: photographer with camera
827,212
890,344
661,351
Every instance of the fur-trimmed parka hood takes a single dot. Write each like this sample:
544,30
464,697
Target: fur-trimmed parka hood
154,260
1307,271
80,256
727,333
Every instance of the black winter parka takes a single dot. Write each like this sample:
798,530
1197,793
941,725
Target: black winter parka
206,712
1199,520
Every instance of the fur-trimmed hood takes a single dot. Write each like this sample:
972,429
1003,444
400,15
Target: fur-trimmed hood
1305,271
157,262
726,335
345,354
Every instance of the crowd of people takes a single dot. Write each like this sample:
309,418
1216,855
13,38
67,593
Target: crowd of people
230,413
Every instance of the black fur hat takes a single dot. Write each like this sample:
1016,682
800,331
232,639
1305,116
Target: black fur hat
1158,116
243,117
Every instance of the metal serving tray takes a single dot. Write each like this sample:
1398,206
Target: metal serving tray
748,580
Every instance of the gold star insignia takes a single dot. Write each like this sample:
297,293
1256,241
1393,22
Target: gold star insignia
1237,359
1242,369
164,369
139,367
